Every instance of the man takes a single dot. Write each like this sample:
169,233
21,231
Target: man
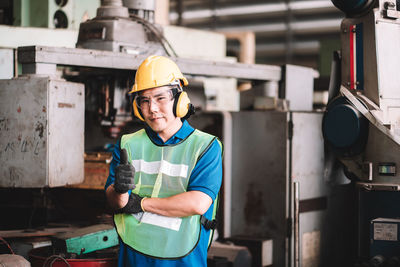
164,179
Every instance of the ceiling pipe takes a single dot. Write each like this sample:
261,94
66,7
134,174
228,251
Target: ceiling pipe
308,48
299,48
303,7
298,27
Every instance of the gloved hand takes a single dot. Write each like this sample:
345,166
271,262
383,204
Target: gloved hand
133,205
124,175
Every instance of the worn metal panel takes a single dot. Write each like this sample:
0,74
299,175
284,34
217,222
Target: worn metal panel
260,184
259,178
66,109
307,168
114,60
308,154
41,144
23,132
299,87
388,59
387,42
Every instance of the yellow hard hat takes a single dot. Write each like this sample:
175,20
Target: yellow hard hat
156,71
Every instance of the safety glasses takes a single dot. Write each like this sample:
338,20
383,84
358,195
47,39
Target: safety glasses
160,99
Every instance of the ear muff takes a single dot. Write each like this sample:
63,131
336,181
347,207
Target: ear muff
136,111
181,104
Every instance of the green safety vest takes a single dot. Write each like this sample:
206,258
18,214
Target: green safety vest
162,171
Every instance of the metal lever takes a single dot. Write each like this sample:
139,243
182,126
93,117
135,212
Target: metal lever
296,224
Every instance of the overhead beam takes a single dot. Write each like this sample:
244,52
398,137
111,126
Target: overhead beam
122,61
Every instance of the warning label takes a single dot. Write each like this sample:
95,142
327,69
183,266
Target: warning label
385,231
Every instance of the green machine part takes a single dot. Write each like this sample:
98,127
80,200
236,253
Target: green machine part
67,14
86,240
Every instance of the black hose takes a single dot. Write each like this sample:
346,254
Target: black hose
157,33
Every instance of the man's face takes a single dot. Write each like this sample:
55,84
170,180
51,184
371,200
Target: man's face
156,105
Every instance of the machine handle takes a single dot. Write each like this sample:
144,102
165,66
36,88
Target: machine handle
296,224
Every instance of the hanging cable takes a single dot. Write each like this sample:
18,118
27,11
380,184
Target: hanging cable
8,245
157,33
52,259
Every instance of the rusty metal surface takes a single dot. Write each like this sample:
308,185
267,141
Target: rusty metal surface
264,164
41,132
308,155
260,178
114,60
307,168
23,132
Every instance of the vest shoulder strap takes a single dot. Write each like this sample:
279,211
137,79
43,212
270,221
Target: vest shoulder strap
127,137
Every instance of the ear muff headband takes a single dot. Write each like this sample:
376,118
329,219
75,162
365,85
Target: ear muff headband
180,108
136,111
181,104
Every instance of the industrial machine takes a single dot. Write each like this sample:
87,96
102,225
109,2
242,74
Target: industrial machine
108,30
361,124
278,193
60,14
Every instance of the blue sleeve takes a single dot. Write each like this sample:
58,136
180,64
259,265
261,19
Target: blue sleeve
114,163
207,174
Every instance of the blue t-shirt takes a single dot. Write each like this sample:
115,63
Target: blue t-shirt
205,177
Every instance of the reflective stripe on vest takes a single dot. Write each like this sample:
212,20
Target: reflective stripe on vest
161,171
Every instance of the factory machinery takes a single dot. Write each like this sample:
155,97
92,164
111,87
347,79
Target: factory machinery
361,124
283,202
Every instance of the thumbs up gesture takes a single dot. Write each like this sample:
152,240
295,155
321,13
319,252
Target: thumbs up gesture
124,175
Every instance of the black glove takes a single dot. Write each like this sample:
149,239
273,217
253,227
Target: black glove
124,175
133,205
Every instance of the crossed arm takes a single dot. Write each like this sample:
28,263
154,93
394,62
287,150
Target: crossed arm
180,205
